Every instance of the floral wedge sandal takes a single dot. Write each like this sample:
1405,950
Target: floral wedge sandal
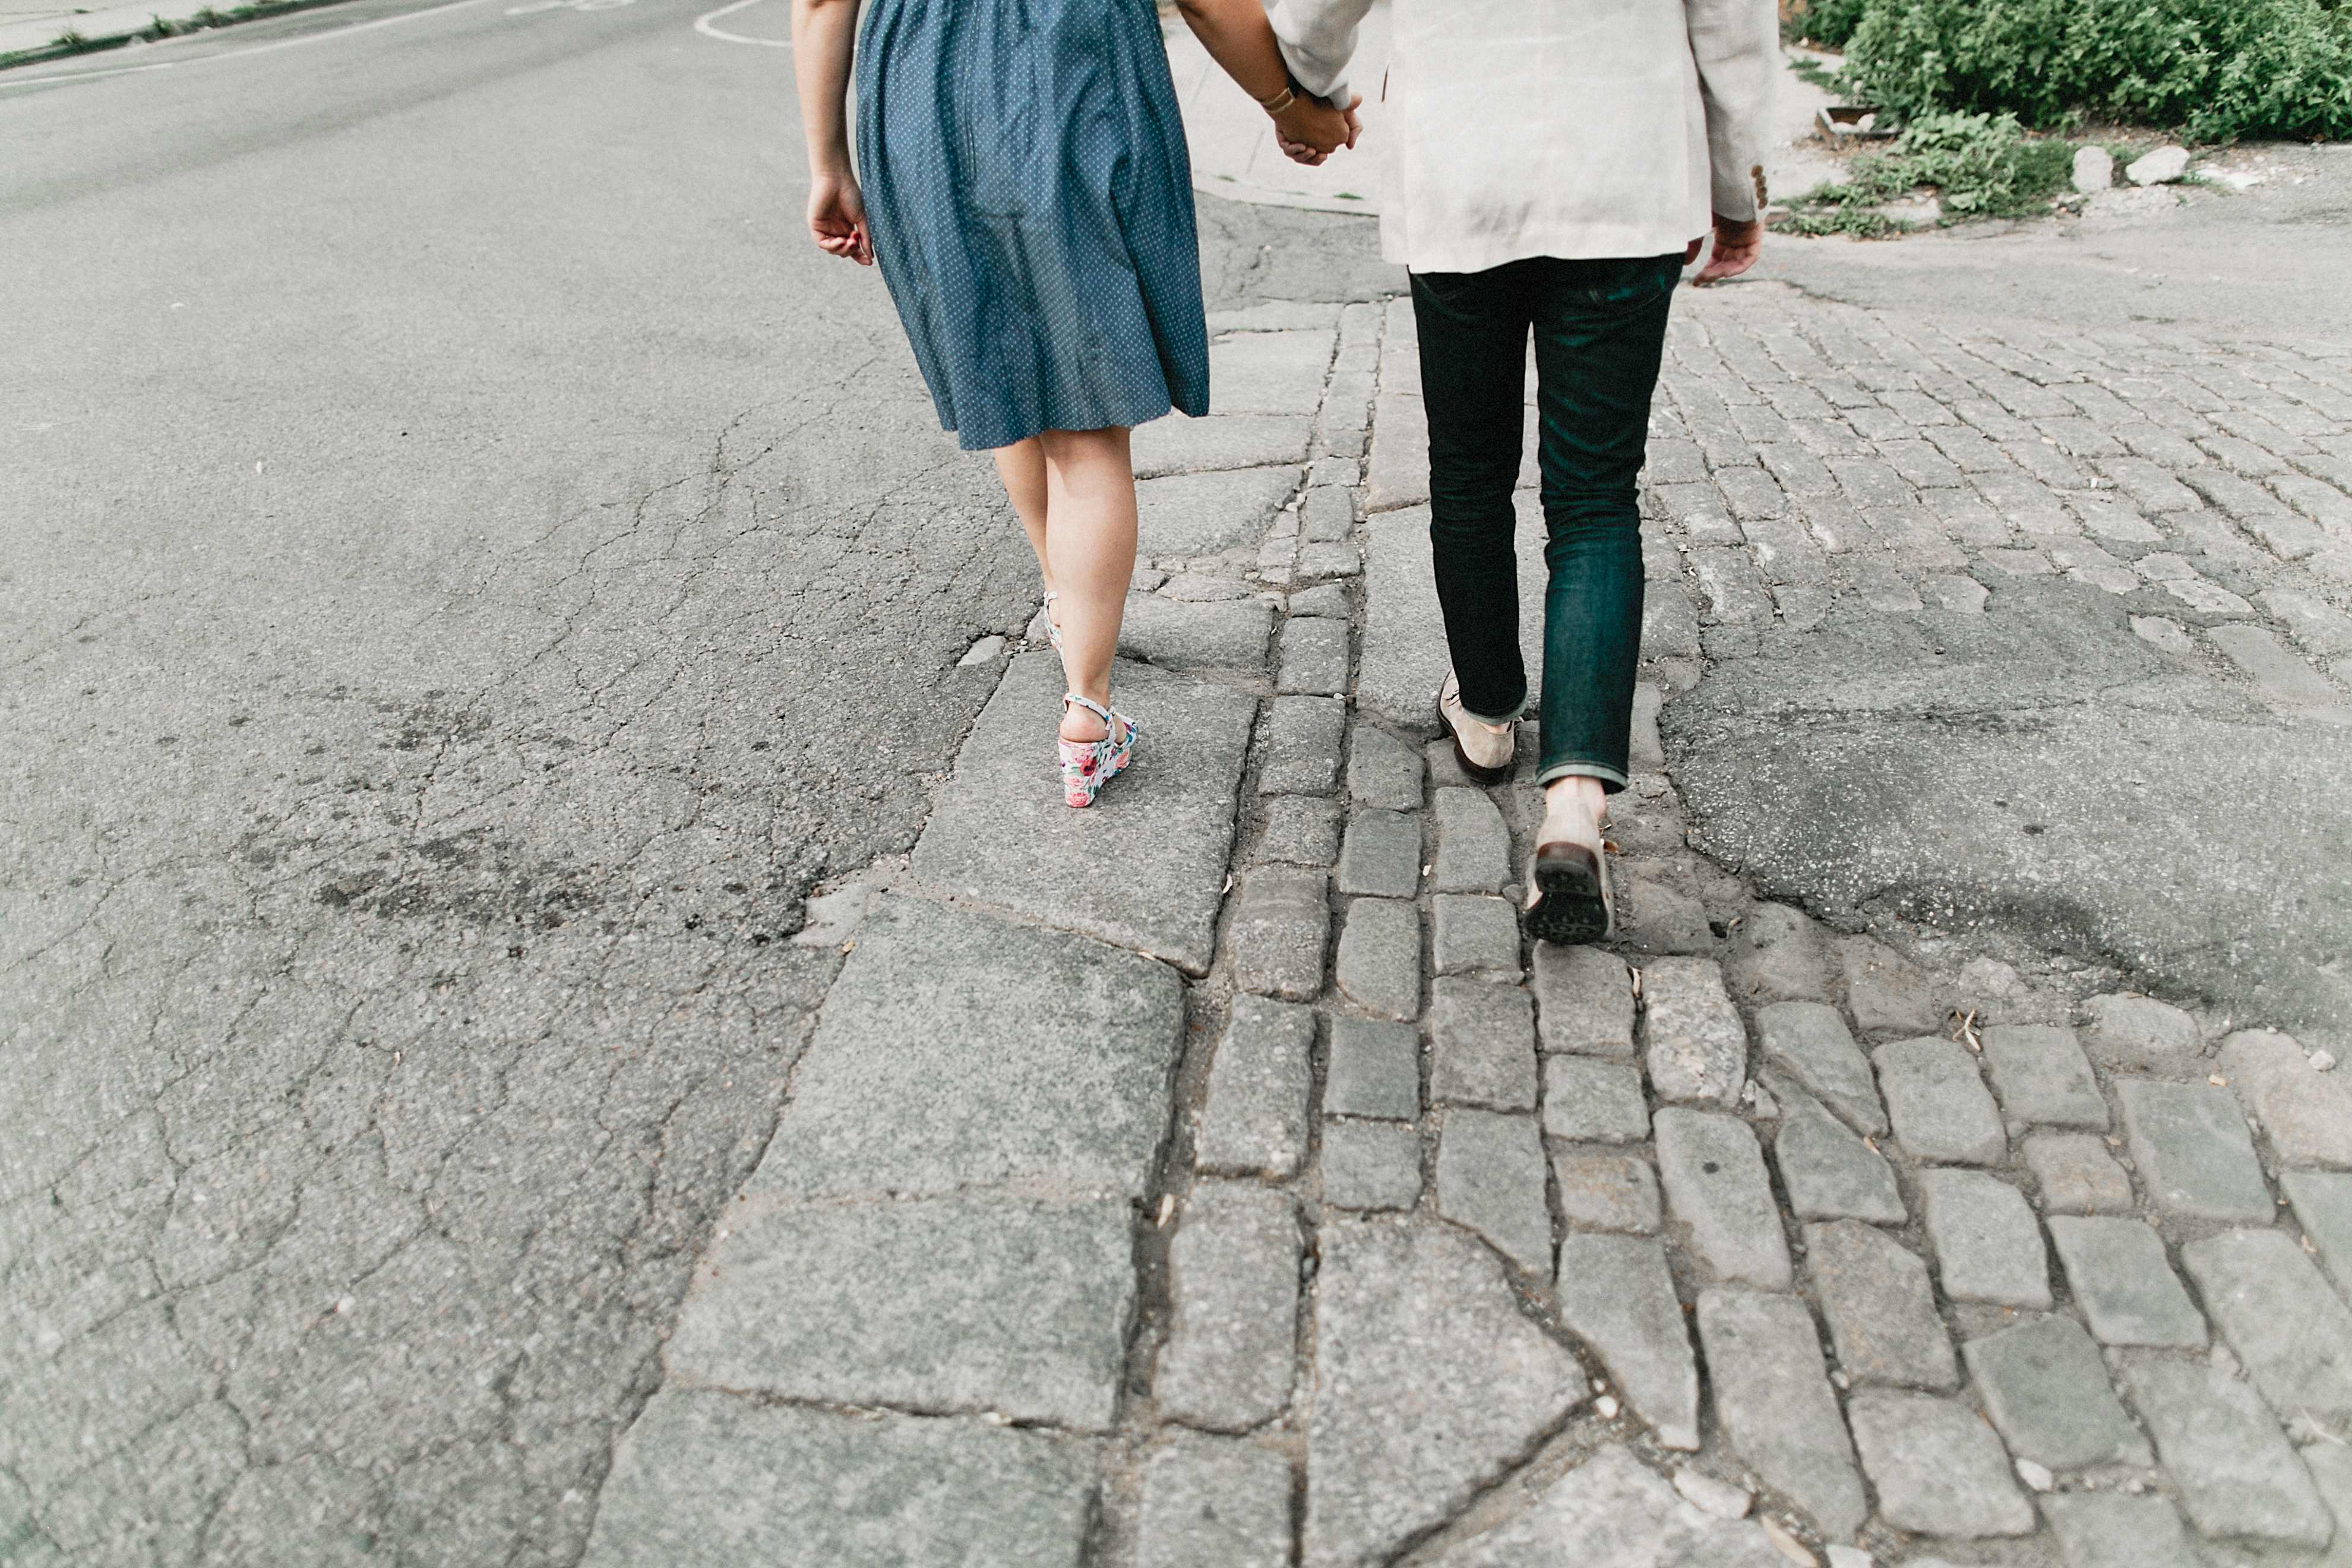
1053,627
1087,765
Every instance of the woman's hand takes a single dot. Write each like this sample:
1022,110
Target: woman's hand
1311,129
836,217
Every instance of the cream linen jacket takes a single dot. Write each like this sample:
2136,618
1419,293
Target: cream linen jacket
1573,128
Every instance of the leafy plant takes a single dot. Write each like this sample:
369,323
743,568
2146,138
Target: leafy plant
2215,69
1828,22
1982,165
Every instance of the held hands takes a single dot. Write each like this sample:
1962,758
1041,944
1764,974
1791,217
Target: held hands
1736,246
1311,128
836,219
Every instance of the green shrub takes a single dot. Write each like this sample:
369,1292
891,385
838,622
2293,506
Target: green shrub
1828,22
2215,69
1982,165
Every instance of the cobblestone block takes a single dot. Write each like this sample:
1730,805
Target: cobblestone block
1590,1100
2238,1478
1886,992
1773,1398
2291,1332
1490,1180
1280,928
1614,1510
1988,1247
2108,518
1327,601
2191,1145
1937,1468
1483,1039
2076,1174
1654,914
1301,748
2323,1206
1233,1276
1336,560
1780,959
1474,847
2046,1389
1716,1189
1327,514
2280,676
1382,771
1430,1384
1381,854
2109,1529
2306,1113
2310,620
1443,768
1615,1294
1692,1039
1379,962
1939,1106
830,1484
2042,1077
1314,656
1470,932
1962,595
1606,1192
1829,1172
2206,599
1810,1043
1253,1121
1880,1309
1212,1503
1374,1069
1370,1165
2148,485
1300,830
2117,1271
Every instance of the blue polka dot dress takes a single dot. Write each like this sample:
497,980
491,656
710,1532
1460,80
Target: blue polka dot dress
1031,203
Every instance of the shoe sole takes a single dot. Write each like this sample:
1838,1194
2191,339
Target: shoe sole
1571,905
1485,776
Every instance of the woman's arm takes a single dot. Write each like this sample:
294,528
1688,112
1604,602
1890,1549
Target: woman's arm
1238,37
824,32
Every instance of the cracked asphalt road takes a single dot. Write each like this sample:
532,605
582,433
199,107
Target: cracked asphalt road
473,567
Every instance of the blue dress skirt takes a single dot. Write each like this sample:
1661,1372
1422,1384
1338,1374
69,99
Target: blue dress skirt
1031,203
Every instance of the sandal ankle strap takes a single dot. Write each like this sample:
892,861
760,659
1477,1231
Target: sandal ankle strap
1097,709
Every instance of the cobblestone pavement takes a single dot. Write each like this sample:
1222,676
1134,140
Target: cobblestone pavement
1267,1201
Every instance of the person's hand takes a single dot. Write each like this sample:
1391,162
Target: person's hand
1317,128
836,219
1737,245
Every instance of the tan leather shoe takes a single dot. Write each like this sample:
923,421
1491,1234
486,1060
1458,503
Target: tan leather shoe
1484,753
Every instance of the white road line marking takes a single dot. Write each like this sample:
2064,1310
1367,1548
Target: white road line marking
6,80
702,25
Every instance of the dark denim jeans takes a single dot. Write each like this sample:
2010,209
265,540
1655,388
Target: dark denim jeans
1600,328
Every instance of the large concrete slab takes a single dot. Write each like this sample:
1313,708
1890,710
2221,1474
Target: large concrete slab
1613,1513
707,1479
977,1304
1201,514
1001,836
944,1060
1429,1385
1180,445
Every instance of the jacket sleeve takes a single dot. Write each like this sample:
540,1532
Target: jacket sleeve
1318,38
1736,44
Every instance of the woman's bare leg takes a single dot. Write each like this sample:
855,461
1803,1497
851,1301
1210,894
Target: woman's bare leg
1090,550
1022,467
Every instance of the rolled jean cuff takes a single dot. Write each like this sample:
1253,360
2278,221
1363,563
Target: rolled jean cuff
1518,710
1612,781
